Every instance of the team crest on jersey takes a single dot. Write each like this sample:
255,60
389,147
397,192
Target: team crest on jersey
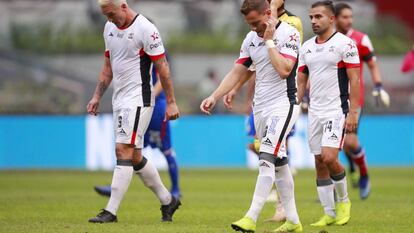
294,37
155,36
131,35
351,45
332,48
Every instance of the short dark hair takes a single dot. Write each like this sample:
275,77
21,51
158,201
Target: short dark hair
254,5
340,7
327,4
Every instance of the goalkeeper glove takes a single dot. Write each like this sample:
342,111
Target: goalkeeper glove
381,95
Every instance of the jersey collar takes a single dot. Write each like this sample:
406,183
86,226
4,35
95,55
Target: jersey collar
316,38
123,28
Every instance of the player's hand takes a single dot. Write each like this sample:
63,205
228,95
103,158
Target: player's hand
93,106
275,5
172,112
351,122
228,99
207,105
270,28
381,95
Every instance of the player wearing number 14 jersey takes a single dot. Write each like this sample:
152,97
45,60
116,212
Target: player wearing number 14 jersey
331,63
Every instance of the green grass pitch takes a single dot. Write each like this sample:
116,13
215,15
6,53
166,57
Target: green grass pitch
62,201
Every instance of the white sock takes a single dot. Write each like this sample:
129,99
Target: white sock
286,188
120,183
151,178
341,187
326,196
264,184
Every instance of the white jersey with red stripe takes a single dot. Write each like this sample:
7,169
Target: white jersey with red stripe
271,90
326,65
131,51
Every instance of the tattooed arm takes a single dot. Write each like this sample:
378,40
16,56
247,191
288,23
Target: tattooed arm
105,79
163,69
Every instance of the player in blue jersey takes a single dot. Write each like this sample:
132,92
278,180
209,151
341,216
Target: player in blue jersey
157,136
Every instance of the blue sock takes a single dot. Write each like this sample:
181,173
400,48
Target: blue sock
173,171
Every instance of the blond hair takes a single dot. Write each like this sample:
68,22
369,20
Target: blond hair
115,2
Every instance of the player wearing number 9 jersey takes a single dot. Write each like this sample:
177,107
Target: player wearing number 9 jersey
273,46
132,45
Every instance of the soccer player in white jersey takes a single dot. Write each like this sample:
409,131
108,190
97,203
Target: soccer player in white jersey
132,45
331,63
273,47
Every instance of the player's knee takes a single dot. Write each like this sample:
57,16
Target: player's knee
124,151
351,141
329,159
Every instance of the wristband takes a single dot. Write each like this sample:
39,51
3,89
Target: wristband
270,44
378,85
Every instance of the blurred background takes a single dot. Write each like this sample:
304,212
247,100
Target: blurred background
51,52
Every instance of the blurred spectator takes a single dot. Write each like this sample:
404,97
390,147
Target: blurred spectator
209,84
408,62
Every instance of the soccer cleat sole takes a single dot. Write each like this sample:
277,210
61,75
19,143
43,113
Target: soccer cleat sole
237,228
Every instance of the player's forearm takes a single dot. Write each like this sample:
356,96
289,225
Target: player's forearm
251,86
105,79
242,81
157,88
302,81
167,86
282,65
375,72
228,83
163,69
354,85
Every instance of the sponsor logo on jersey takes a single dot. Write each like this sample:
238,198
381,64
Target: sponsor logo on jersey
156,45
155,36
351,54
319,50
119,35
292,46
308,51
110,34
251,44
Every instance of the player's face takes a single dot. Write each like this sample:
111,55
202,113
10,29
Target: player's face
115,14
344,20
257,21
321,19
